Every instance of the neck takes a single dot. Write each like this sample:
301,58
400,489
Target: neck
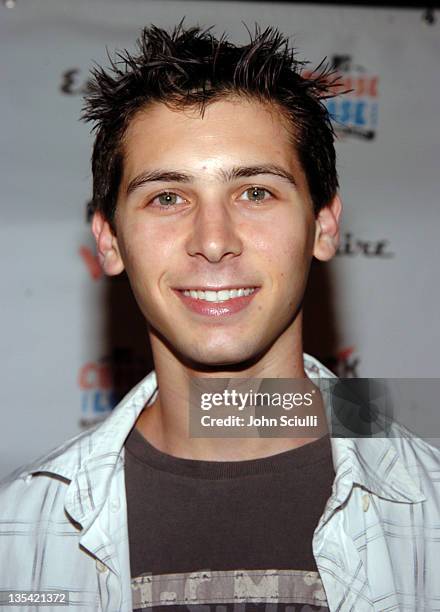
165,423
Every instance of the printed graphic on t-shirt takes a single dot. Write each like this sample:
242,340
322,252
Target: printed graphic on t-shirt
289,590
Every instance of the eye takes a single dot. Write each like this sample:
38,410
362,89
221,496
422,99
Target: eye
256,194
167,199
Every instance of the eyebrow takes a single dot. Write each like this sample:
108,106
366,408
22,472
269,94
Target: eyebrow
171,176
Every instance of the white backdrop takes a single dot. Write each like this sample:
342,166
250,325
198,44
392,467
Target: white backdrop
72,340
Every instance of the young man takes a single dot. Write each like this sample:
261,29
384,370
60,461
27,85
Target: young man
215,185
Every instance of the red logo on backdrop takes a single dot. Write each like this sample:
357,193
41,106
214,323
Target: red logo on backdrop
355,112
344,363
103,383
91,262
98,396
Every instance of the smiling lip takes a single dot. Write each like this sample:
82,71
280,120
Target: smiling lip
212,288
216,309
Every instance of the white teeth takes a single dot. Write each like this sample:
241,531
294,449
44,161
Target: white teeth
218,296
210,296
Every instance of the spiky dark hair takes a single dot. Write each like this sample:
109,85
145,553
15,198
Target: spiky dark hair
192,67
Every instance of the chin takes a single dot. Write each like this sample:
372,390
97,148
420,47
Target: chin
198,352
234,357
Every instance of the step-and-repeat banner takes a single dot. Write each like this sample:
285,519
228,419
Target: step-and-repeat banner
73,340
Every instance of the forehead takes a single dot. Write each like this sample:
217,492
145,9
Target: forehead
230,131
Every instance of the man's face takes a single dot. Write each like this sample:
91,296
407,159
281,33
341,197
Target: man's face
225,204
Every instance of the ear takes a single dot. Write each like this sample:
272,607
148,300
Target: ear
327,230
107,245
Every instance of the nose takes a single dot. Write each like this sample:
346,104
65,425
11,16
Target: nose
214,233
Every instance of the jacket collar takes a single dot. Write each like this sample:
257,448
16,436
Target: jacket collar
373,463
90,458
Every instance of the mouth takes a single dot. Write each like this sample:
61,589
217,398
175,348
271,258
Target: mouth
217,302
220,295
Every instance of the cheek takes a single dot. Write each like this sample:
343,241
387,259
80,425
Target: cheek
145,246
286,248
143,256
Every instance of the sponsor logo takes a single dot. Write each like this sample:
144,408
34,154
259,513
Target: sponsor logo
344,363
351,246
354,113
103,383
72,83
91,262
